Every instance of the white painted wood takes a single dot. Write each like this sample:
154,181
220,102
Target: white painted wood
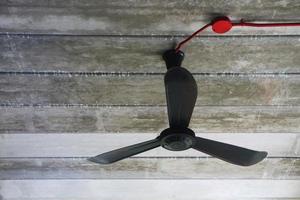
143,54
45,147
180,189
146,119
242,90
146,168
83,145
141,17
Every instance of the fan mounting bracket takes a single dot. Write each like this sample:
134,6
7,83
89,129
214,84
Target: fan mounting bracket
173,58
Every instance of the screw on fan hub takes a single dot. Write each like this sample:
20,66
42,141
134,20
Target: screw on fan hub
177,139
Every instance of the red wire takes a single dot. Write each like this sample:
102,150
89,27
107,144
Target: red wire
242,23
191,36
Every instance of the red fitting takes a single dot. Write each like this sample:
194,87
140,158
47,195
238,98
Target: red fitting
221,25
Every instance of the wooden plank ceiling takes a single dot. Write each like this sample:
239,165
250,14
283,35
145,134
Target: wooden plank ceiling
80,77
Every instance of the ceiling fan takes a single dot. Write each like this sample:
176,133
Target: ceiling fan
181,94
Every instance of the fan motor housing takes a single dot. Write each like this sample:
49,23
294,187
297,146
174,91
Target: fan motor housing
177,139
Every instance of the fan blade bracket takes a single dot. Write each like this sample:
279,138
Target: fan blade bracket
181,95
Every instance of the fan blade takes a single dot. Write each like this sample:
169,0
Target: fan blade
181,93
229,153
119,154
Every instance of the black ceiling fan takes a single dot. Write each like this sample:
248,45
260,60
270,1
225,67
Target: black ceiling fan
181,94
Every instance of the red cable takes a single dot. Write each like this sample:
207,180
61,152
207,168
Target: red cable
191,36
242,23
228,22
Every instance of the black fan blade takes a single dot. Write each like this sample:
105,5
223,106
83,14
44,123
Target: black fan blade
229,153
119,154
181,93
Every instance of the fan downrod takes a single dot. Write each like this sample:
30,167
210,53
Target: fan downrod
177,139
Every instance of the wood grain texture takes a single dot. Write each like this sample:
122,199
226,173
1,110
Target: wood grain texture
139,16
149,189
82,77
146,168
206,119
253,54
87,145
146,90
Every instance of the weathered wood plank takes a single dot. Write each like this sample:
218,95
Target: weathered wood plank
146,90
143,55
146,168
140,16
86,145
205,119
148,189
